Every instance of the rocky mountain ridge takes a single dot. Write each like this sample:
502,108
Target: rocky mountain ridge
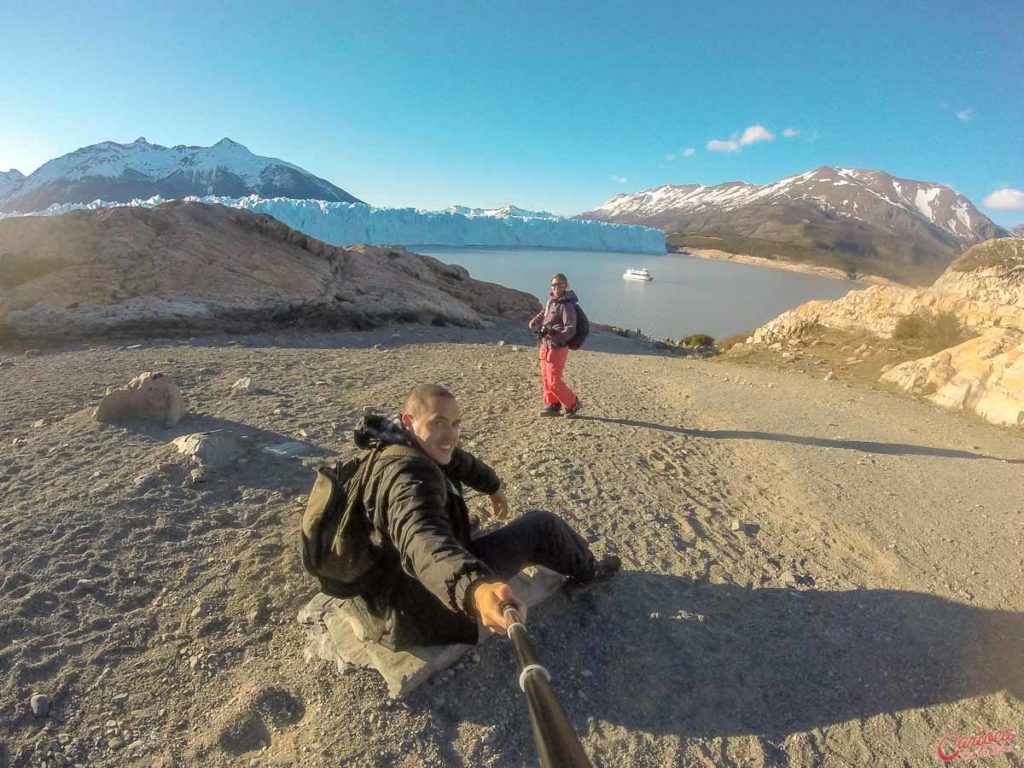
186,267
140,170
856,220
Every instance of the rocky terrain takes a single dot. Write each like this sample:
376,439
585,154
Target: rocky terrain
185,267
856,221
140,170
815,573
982,292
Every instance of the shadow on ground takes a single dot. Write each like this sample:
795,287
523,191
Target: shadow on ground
669,657
865,446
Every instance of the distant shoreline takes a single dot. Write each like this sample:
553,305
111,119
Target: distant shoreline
758,261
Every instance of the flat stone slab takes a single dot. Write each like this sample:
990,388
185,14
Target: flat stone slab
291,449
336,634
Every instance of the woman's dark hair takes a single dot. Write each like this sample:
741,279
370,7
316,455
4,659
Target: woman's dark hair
561,278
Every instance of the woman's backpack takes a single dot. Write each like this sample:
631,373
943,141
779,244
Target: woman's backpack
334,537
582,329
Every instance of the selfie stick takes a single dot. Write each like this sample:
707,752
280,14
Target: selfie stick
557,742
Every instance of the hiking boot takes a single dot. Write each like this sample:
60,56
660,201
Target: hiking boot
604,571
570,413
552,410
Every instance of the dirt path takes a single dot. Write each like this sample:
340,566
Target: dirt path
870,603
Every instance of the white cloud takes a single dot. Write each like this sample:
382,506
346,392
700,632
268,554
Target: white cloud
789,133
965,114
1006,199
619,179
689,152
755,134
669,158
723,145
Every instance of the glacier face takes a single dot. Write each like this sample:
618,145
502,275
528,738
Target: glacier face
347,223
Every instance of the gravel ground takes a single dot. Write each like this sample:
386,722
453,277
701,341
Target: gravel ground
815,573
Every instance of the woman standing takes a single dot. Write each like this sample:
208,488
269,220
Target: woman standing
556,325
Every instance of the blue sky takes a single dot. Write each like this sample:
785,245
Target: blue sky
555,105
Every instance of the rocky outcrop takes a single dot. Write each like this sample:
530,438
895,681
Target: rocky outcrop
984,376
984,290
187,267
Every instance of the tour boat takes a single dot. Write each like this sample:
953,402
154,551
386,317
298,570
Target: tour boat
636,274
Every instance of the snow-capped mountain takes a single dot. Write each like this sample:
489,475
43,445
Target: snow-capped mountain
123,172
506,210
9,180
859,220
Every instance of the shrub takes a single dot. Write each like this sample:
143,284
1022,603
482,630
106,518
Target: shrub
935,332
731,341
698,340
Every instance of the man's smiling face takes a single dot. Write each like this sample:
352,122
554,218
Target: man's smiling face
435,423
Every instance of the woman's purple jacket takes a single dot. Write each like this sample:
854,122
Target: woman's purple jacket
560,315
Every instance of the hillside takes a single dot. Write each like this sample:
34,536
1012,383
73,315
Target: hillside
185,267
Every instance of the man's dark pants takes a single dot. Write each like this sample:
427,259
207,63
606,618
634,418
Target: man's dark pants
410,615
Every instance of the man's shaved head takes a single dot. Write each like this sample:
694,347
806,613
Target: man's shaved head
419,400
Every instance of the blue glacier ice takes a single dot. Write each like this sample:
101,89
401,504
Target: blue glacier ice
347,223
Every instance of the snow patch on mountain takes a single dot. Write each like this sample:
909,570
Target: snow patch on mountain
347,223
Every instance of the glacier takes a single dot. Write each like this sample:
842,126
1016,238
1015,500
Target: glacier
347,223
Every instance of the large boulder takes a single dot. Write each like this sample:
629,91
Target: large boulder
150,396
187,267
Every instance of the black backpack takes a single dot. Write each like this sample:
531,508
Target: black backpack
334,537
582,329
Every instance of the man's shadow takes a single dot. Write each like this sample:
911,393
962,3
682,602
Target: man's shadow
666,657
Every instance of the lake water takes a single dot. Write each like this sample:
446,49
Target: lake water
687,295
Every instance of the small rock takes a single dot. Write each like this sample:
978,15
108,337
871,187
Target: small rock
6,363
515,348
831,376
32,353
39,423
378,347
147,479
736,525
115,743
887,367
308,433
40,704
789,579
586,673
196,476
501,343
243,386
